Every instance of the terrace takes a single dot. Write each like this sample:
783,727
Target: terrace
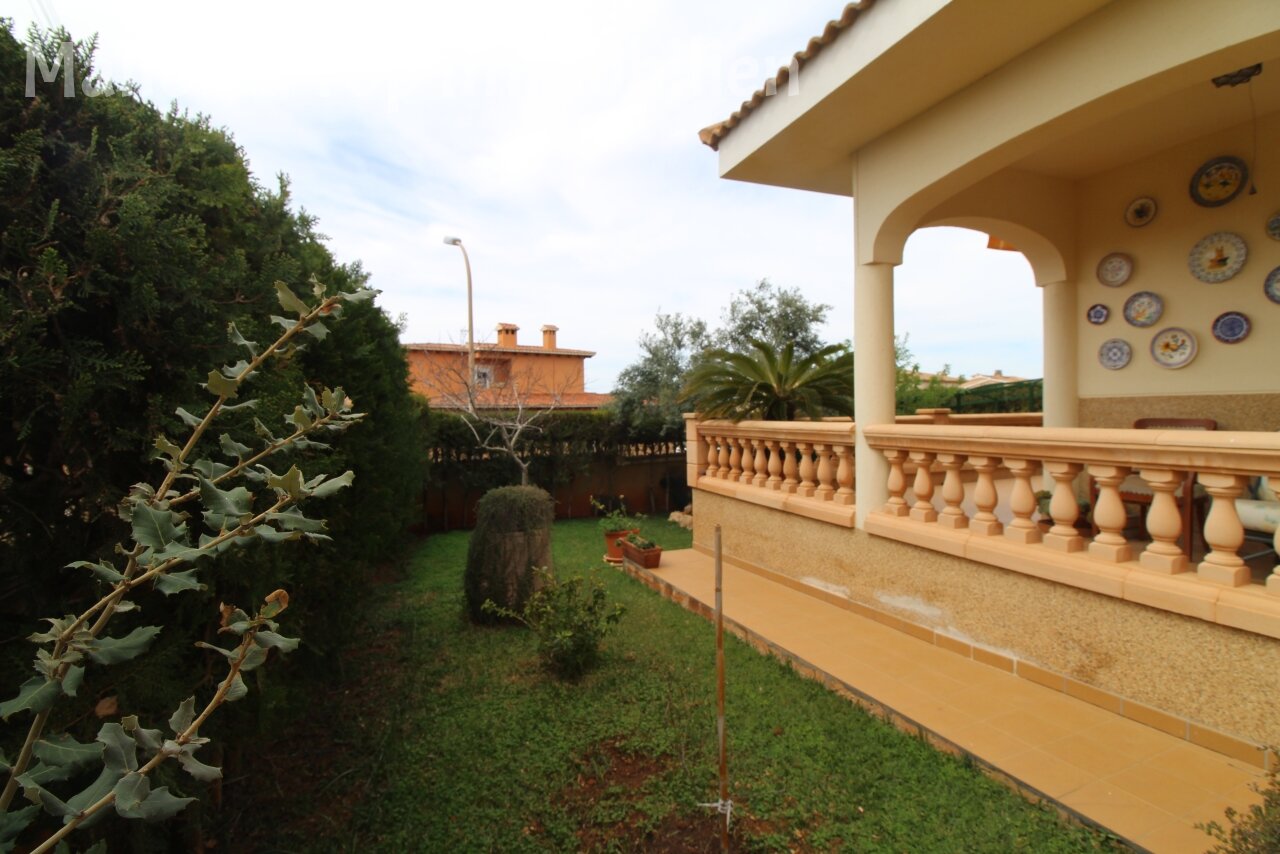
1094,138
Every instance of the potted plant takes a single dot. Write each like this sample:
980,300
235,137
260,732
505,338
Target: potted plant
639,550
614,523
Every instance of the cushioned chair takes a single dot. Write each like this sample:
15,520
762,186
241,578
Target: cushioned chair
1134,490
1260,515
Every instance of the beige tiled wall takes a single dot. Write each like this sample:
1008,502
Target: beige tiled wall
1231,411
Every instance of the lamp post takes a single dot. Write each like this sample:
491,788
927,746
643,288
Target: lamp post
471,341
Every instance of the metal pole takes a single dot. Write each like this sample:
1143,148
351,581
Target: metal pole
724,759
471,333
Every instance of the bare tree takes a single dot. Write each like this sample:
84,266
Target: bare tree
500,405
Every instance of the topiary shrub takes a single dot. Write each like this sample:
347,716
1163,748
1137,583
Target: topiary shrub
511,537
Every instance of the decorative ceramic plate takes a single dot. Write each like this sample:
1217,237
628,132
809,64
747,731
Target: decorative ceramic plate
1219,181
1143,309
1273,226
1115,269
1173,347
1140,211
1098,314
1218,257
1231,327
1114,354
1272,285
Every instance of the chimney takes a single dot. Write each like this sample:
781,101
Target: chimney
507,334
549,337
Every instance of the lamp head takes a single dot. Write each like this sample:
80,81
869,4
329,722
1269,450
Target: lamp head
453,241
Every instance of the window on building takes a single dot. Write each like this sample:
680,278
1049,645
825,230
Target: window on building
484,376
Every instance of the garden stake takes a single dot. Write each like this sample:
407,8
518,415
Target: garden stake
724,806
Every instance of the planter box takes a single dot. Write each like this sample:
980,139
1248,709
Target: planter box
646,558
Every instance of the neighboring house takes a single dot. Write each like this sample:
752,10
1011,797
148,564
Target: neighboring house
965,383
1145,194
508,374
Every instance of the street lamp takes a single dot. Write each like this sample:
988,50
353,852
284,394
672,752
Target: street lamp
471,340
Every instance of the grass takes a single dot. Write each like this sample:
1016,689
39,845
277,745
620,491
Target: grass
475,748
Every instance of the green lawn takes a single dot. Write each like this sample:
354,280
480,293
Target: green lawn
478,750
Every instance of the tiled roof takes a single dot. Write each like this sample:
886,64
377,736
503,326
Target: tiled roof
528,349
537,400
713,134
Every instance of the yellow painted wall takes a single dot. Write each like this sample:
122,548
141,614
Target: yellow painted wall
1160,251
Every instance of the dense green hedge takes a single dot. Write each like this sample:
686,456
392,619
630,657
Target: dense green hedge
129,238
1025,396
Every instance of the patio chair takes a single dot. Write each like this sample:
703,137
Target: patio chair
1191,498
1260,515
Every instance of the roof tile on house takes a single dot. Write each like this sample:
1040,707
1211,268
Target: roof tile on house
713,134
494,348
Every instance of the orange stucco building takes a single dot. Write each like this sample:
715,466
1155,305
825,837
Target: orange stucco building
508,374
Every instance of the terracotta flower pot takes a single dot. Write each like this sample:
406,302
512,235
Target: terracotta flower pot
612,553
647,558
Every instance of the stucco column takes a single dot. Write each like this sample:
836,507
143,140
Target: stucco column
873,379
1061,402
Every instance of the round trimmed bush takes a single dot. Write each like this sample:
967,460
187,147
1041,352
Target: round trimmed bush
512,536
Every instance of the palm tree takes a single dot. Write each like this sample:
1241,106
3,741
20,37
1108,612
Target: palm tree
767,384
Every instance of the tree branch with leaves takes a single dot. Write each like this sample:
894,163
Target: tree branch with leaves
163,550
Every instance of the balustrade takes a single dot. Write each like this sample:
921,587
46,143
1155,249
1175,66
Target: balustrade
995,471
775,463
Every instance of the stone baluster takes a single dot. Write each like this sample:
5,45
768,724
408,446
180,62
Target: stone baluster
1063,507
844,475
826,474
897,484
1022,502
922,510
748,462
1109,515
761,464
775,465
723,473
985,498
1223,532
1164,523
952,515
735,459
695,453
807,484
789,481
713,455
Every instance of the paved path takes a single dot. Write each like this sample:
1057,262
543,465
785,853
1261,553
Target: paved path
1142,785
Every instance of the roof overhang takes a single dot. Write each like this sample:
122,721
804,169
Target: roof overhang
895,60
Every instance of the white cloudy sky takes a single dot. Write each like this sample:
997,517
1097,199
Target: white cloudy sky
558,139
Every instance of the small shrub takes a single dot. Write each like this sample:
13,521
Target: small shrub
570,619
1257,830
638,541
511,537
612,514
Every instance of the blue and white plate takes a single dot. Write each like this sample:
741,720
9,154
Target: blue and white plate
1098,314
1114,354
1231,327
1272,285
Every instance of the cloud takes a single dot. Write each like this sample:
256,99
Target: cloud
559,141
